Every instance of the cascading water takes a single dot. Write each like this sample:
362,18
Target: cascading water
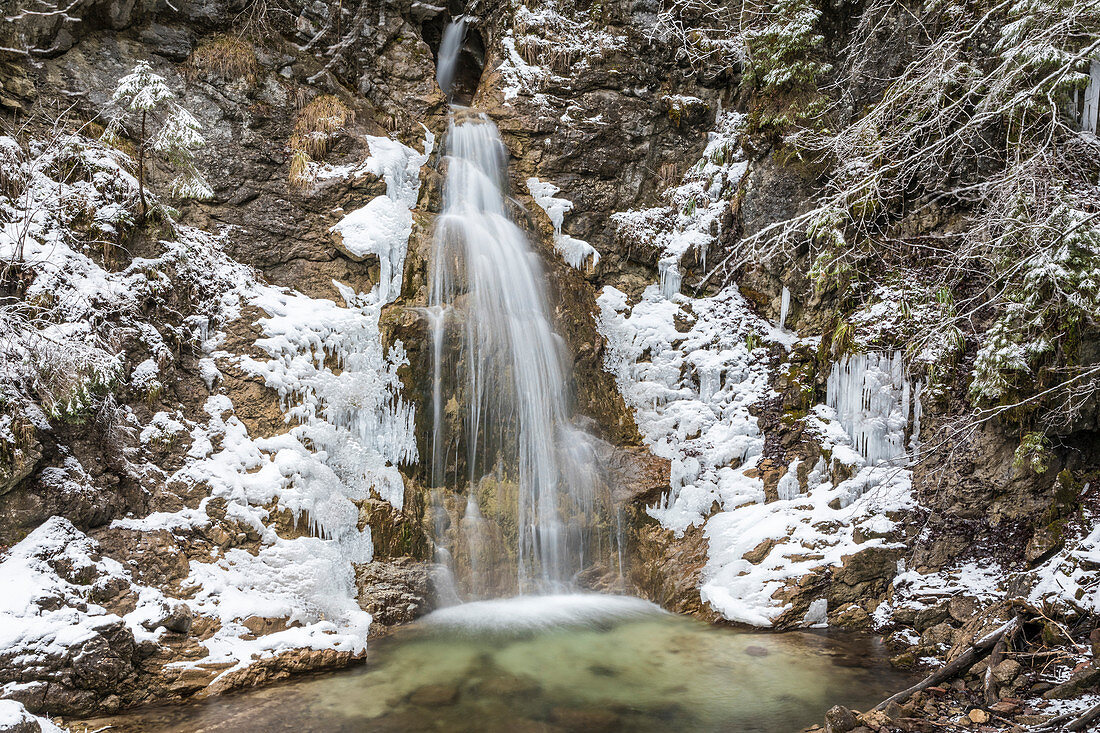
517,426
449,49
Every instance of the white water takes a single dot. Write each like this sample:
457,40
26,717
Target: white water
449,48
539,613
513,375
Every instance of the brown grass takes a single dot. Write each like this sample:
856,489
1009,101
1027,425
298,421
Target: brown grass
318,124
226,56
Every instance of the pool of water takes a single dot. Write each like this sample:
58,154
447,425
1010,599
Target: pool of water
571,663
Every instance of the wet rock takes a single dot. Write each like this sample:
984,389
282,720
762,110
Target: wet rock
269,669
840,719
864,575
852,617
433,695
667,569
756,651
394,592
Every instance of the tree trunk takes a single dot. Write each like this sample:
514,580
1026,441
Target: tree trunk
141,169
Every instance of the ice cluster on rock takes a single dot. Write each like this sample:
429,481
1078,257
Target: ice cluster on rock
349,425
577,253
692,219
382,227
872,397
694,369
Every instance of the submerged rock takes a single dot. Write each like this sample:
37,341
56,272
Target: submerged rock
589,720
433,695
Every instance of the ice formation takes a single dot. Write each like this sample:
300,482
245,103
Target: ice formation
550,37
382,227
871,395
577,253
692,220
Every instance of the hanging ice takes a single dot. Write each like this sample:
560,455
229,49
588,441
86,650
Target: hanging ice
577,253
871,396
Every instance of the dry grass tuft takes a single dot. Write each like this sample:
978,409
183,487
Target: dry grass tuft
318,124
229,57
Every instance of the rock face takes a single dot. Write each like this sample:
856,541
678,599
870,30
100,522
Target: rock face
396,592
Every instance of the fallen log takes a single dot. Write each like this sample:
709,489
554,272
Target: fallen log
989,688
977,651
1082,721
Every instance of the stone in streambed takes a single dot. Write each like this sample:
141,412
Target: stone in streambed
756,651
589,720
506,686
433,695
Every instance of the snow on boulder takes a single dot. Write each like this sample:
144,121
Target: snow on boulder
14,718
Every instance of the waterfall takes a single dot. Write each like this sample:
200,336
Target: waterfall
449,49
487,292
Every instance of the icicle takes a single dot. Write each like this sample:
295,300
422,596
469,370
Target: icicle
871,397
669,270
788,487
784,306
